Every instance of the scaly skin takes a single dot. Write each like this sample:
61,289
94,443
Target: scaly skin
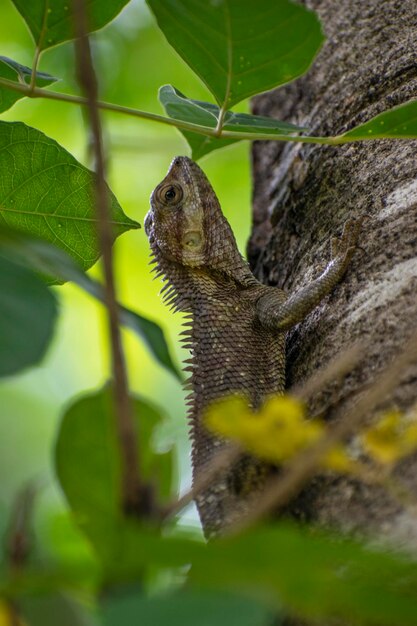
236,326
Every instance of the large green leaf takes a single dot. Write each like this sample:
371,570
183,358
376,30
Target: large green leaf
88,464
44,191
51,21
11,70
179,107
60,267
27,315
185,608
240,47
399,122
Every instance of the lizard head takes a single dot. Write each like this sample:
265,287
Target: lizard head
185,223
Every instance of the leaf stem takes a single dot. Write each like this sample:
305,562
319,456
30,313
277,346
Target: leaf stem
32,83
38,48
37,92
207,131
223,109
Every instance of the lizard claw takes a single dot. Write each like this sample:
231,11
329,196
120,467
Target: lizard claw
347,243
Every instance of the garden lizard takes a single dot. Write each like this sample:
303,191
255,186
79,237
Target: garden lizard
235,325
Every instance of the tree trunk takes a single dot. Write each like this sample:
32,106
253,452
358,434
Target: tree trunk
303,194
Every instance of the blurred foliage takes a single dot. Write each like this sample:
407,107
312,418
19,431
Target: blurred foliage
23,296
88,560
56,267
180,609
88,467
77,360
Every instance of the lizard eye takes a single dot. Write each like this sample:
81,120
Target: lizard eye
171,194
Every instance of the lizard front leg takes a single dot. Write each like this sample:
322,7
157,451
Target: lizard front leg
277,314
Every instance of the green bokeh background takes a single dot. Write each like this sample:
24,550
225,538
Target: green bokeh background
133,60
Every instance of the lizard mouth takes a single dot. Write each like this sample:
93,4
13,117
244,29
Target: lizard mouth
148,223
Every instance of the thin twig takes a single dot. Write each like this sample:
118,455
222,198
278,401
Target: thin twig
300,470
337,367
342,364
38,92
18,534
222,461
34,69
133,490
207,131
397,491
18,540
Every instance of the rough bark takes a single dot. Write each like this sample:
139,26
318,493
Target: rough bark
302,196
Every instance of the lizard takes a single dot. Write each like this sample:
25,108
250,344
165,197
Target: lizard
235,326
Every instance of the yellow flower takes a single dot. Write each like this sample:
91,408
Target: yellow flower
391,438
6,616
275,433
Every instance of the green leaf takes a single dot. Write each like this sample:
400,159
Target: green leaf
314,575
179,107
51,21
27,315
19,73
240,47
73,556
50,609
59,267
44,191
185,608
317,576
152,335
88,465
399,122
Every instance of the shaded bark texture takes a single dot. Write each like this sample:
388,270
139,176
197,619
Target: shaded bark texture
303,194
